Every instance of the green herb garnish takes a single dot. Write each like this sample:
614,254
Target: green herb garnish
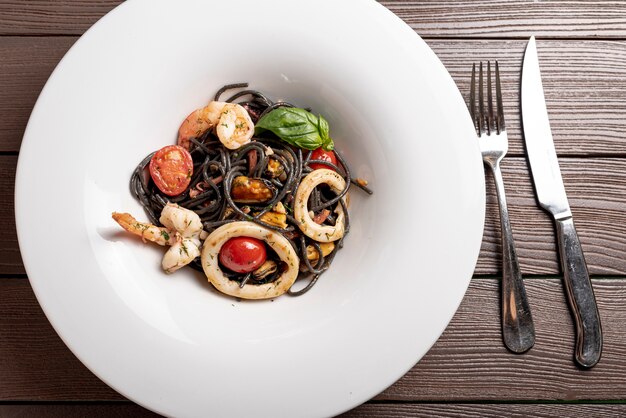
297,127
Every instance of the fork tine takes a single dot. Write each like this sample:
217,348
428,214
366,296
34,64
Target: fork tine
500,118
481,101
472,98
491,122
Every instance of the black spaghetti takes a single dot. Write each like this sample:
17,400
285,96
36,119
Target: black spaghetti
257,182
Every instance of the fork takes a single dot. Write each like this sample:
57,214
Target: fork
518,331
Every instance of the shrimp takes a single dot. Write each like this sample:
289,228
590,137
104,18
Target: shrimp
198,122
231,121
235,128
182,231
281,246
188,229
320,233
146,231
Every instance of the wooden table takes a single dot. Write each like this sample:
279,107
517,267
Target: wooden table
582,47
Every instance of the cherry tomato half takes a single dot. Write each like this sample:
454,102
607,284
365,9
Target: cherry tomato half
320,154
243,254
171,168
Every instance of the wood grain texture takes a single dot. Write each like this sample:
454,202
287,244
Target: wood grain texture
391,410
10,257
34,362
373,410
51,17
596,189
583,83
25,66
501,18
468,362
484,18
90,410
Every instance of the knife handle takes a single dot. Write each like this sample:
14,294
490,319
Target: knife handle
580,295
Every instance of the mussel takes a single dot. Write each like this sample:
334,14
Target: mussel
251,190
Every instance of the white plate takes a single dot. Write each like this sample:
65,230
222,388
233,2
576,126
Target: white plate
173,344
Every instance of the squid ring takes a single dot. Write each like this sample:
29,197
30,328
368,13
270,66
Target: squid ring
320,233
278,243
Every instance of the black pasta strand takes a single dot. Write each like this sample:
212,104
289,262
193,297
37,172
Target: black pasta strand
215,167
228,87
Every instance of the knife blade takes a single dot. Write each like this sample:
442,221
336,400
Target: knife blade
551,196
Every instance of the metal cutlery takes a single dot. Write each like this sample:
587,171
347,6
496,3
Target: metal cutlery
518,331
552,198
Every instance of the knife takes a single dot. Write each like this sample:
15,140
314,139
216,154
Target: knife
552,198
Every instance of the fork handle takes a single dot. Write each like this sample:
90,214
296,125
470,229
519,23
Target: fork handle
518,330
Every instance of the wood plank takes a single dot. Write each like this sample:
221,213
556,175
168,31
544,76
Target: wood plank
51,17
596,189
374,410
69,410
468,362
391,410
35,365
583,83
10,258
25,66
501,18
597,193
484,18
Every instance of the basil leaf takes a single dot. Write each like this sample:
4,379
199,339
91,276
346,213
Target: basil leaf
297,127
322,127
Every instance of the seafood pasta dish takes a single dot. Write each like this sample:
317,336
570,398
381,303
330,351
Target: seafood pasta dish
254,195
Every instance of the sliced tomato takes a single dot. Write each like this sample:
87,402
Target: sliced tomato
171,169
320,154
243,254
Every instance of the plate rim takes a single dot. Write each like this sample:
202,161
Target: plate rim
20,222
